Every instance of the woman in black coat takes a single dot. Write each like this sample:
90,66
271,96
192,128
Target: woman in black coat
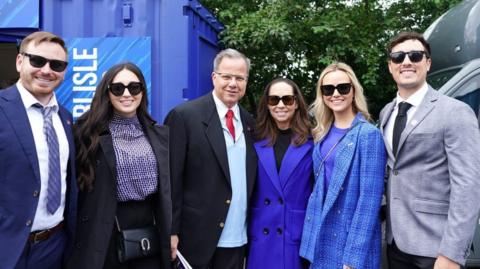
123,174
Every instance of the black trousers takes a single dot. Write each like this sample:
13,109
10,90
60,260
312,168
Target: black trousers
398,259
226,258
130,215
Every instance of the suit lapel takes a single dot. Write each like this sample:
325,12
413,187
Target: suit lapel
290,161
15,112
159,148
251,157
423,110
106,144
266,158
343,159
214,134
383,123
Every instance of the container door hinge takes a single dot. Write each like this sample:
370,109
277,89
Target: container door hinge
127,14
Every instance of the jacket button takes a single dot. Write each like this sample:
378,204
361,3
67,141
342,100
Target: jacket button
97,162
265,231
267,201
78,245
28,223
308,218
84,218
395,172
279,231
35,193
280,201
228,201
221,224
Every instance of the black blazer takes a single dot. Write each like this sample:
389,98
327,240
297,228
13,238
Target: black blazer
96,209
201,189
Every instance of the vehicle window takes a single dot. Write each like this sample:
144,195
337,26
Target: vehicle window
437,80
470,93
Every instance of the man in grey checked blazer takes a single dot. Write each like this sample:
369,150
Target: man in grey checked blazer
433,185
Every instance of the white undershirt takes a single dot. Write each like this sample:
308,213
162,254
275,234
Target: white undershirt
43,219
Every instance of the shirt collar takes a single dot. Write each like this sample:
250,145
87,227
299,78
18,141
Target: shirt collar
414,99
222,108
29,100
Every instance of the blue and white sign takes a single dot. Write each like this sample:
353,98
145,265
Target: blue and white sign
19,13
90,58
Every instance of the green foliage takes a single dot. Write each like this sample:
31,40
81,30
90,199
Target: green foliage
298,38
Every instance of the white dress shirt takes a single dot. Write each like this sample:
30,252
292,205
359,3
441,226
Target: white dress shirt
43,219
415,100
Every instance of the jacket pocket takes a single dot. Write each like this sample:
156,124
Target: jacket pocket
431,206
294,225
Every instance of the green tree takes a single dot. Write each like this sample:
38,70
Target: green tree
298,38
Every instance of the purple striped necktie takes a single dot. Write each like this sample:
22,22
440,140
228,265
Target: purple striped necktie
54,182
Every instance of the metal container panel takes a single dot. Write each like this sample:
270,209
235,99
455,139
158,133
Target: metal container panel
183,39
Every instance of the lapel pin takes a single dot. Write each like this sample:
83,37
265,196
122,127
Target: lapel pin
69,122
414,122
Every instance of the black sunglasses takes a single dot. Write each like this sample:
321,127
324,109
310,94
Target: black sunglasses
39,62
415,56
342,88
118,89
287,100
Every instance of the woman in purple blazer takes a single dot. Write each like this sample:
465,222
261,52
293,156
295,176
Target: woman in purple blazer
284,180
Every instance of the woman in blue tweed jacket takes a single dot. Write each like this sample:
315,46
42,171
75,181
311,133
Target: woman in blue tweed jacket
342,224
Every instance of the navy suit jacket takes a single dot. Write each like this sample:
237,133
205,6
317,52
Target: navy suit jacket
20,177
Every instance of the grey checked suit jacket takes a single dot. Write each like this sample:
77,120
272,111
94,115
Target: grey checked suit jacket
433,190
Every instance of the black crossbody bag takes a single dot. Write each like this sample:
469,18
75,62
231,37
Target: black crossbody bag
137,243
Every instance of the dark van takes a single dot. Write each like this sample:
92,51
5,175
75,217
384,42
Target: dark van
455,71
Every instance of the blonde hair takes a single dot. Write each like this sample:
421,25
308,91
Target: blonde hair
323,114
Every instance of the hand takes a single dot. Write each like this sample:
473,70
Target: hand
443,262
347,267
173,246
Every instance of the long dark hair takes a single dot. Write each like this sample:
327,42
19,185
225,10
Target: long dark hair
266,126
94,122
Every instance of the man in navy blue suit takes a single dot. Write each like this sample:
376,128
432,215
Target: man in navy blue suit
38,191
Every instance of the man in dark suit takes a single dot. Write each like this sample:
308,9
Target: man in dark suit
38,190
213,168
433,145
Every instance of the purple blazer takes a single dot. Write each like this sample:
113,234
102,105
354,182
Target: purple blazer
278,207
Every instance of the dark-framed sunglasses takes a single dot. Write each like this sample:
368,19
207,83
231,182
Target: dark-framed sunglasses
39,62
118,89
287,100
415,56
342,88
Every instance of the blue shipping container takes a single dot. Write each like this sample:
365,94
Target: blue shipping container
174,42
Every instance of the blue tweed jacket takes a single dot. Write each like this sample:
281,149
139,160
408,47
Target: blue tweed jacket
342,224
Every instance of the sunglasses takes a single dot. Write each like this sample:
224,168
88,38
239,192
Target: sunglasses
342,88
415,56
287,100
118,89
39,62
